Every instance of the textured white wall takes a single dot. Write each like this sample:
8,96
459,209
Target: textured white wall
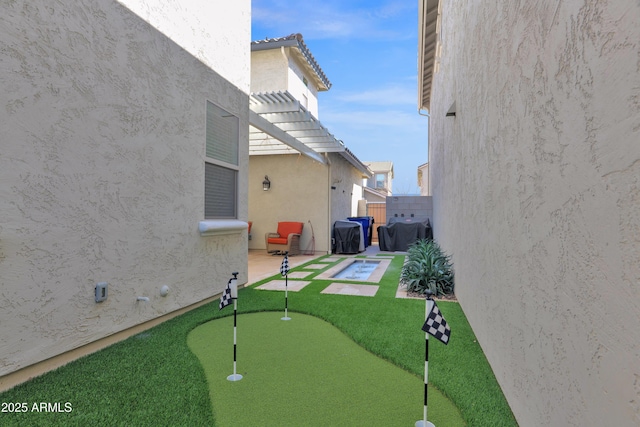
536,188
269,71
101,175
301,91
214,31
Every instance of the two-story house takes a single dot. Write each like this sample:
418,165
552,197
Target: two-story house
380,185
310,176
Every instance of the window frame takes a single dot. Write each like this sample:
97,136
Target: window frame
222,163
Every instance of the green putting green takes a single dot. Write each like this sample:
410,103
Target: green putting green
306,372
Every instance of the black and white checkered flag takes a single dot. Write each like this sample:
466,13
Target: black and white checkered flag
226,299
436,326
284,268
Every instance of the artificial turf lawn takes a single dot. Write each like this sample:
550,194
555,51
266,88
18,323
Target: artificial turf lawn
153,378
306,372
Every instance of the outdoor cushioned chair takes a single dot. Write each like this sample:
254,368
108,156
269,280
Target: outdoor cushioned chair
286,239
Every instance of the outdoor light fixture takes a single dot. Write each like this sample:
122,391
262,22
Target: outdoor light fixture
266,184
452,110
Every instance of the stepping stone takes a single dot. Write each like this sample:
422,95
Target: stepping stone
349,289
279,285
402,293
315,266
299,274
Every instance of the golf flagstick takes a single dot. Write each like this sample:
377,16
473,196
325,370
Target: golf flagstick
423,422
436,326
284,270
233,284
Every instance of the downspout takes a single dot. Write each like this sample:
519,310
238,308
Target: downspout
286,58
428,116
329,192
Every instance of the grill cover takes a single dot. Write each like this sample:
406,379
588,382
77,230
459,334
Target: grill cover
399,233
347,237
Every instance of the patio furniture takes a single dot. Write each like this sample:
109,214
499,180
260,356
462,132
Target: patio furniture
286,238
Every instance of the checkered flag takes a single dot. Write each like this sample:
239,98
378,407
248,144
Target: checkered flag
436,325
284,268
226,299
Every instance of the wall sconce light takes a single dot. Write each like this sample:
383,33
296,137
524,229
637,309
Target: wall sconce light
266,184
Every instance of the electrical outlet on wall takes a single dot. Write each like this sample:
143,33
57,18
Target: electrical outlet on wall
101,291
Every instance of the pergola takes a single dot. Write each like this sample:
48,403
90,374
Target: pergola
281,125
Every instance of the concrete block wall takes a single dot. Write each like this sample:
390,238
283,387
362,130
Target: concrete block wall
410,206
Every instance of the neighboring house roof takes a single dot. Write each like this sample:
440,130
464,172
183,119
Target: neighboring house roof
428,43
381,167
281,125
305,56
376,192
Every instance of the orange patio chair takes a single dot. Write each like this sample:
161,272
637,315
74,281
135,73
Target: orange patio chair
286,239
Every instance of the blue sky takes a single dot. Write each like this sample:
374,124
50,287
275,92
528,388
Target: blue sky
368,50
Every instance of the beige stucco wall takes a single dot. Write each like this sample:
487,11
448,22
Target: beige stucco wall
347,181
102,175
423,179
536,189
301,191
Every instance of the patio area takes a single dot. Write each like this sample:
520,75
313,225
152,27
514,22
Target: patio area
263,265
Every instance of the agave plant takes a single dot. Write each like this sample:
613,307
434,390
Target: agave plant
427,267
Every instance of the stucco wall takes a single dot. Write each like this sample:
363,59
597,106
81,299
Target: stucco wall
347,181
536,189
301,191
268,71
215,32
423,179
102,176
306,93
272,70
